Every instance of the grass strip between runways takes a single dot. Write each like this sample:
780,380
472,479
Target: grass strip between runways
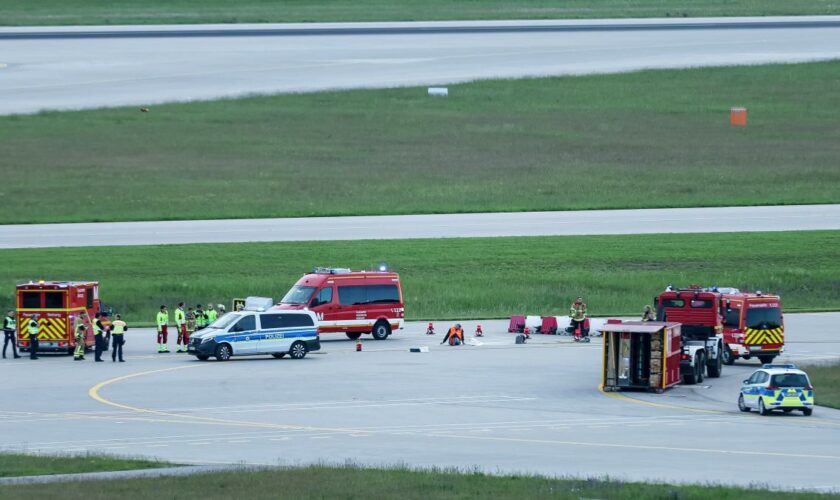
826,382
456,278
357,483
635,140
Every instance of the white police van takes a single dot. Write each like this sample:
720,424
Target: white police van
257,329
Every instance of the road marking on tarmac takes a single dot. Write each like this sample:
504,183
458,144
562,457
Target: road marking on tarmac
93,392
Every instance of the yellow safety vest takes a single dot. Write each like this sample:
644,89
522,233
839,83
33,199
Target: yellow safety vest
179,317
119,327
33,328
162,319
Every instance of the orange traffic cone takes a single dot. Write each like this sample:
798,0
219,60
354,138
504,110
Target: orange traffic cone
431,329
478,332
359,345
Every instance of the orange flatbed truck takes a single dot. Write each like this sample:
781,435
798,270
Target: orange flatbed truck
57,306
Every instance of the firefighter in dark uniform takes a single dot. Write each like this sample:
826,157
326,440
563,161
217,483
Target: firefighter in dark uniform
33,338
9,334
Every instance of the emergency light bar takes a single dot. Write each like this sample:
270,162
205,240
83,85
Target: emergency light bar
789,366
331,270
258,304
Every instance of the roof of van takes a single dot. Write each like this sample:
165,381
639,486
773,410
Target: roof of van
314,279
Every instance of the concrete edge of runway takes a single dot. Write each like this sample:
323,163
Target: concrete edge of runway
416,28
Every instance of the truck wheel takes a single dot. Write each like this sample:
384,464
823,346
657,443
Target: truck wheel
223,352
761,408
742,405
690,378
700,365
298,350
353,336
381,330
728,358
766,359
807,411
716,366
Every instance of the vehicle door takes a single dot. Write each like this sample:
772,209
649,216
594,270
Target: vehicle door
323,305
297,327
271,334
243,335
752,388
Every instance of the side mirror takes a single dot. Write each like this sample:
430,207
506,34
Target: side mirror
745,382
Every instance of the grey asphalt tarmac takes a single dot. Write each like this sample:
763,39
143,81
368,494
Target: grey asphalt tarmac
75,68
496,407
587,222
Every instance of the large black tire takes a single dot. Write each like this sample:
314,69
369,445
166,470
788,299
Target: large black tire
716,366
742,405
761,408
223,352
700,364
807,411
690,378
766,359
381,330
353,336
297,350
279,355
727,357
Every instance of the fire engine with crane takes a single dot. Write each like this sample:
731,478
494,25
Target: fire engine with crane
57,306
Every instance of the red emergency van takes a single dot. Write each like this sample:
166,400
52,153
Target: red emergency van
56,305
352,302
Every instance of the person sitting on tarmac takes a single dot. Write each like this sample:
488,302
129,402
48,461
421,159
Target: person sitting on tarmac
648,314
455,335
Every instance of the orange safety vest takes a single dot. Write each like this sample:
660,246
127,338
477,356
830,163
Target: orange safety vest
455,332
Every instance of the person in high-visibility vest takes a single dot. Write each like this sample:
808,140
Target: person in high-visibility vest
9,328
118,329
211,314
33,338
190,325
99,338
577,313
162,325
181,325
455,335
79,353
200,317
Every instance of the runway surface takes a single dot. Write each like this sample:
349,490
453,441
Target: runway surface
75,68
496,407
587,222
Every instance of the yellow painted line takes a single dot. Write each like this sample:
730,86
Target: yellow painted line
621,397
644,447
93,392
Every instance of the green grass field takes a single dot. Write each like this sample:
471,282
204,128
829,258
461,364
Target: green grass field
51,12
826,381
18,464
355,483
647,139
457,278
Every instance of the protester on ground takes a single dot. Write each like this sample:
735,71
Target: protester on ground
455,335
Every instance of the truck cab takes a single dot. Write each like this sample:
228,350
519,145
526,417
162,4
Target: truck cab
753,326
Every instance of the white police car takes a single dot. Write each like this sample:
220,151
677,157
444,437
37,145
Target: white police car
255,330
777,387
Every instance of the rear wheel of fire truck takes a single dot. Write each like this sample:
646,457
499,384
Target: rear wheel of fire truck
766,359
728,357
717,366
742,405
761,408
298,350
223,352
807,411
353,335
381,330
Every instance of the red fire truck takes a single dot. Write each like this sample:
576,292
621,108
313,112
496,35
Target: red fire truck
752,324
352,302
56,306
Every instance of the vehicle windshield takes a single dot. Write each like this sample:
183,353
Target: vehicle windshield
789,380
770,317
298,295
225,321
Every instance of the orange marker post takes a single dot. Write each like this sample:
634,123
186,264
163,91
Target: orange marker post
738,117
